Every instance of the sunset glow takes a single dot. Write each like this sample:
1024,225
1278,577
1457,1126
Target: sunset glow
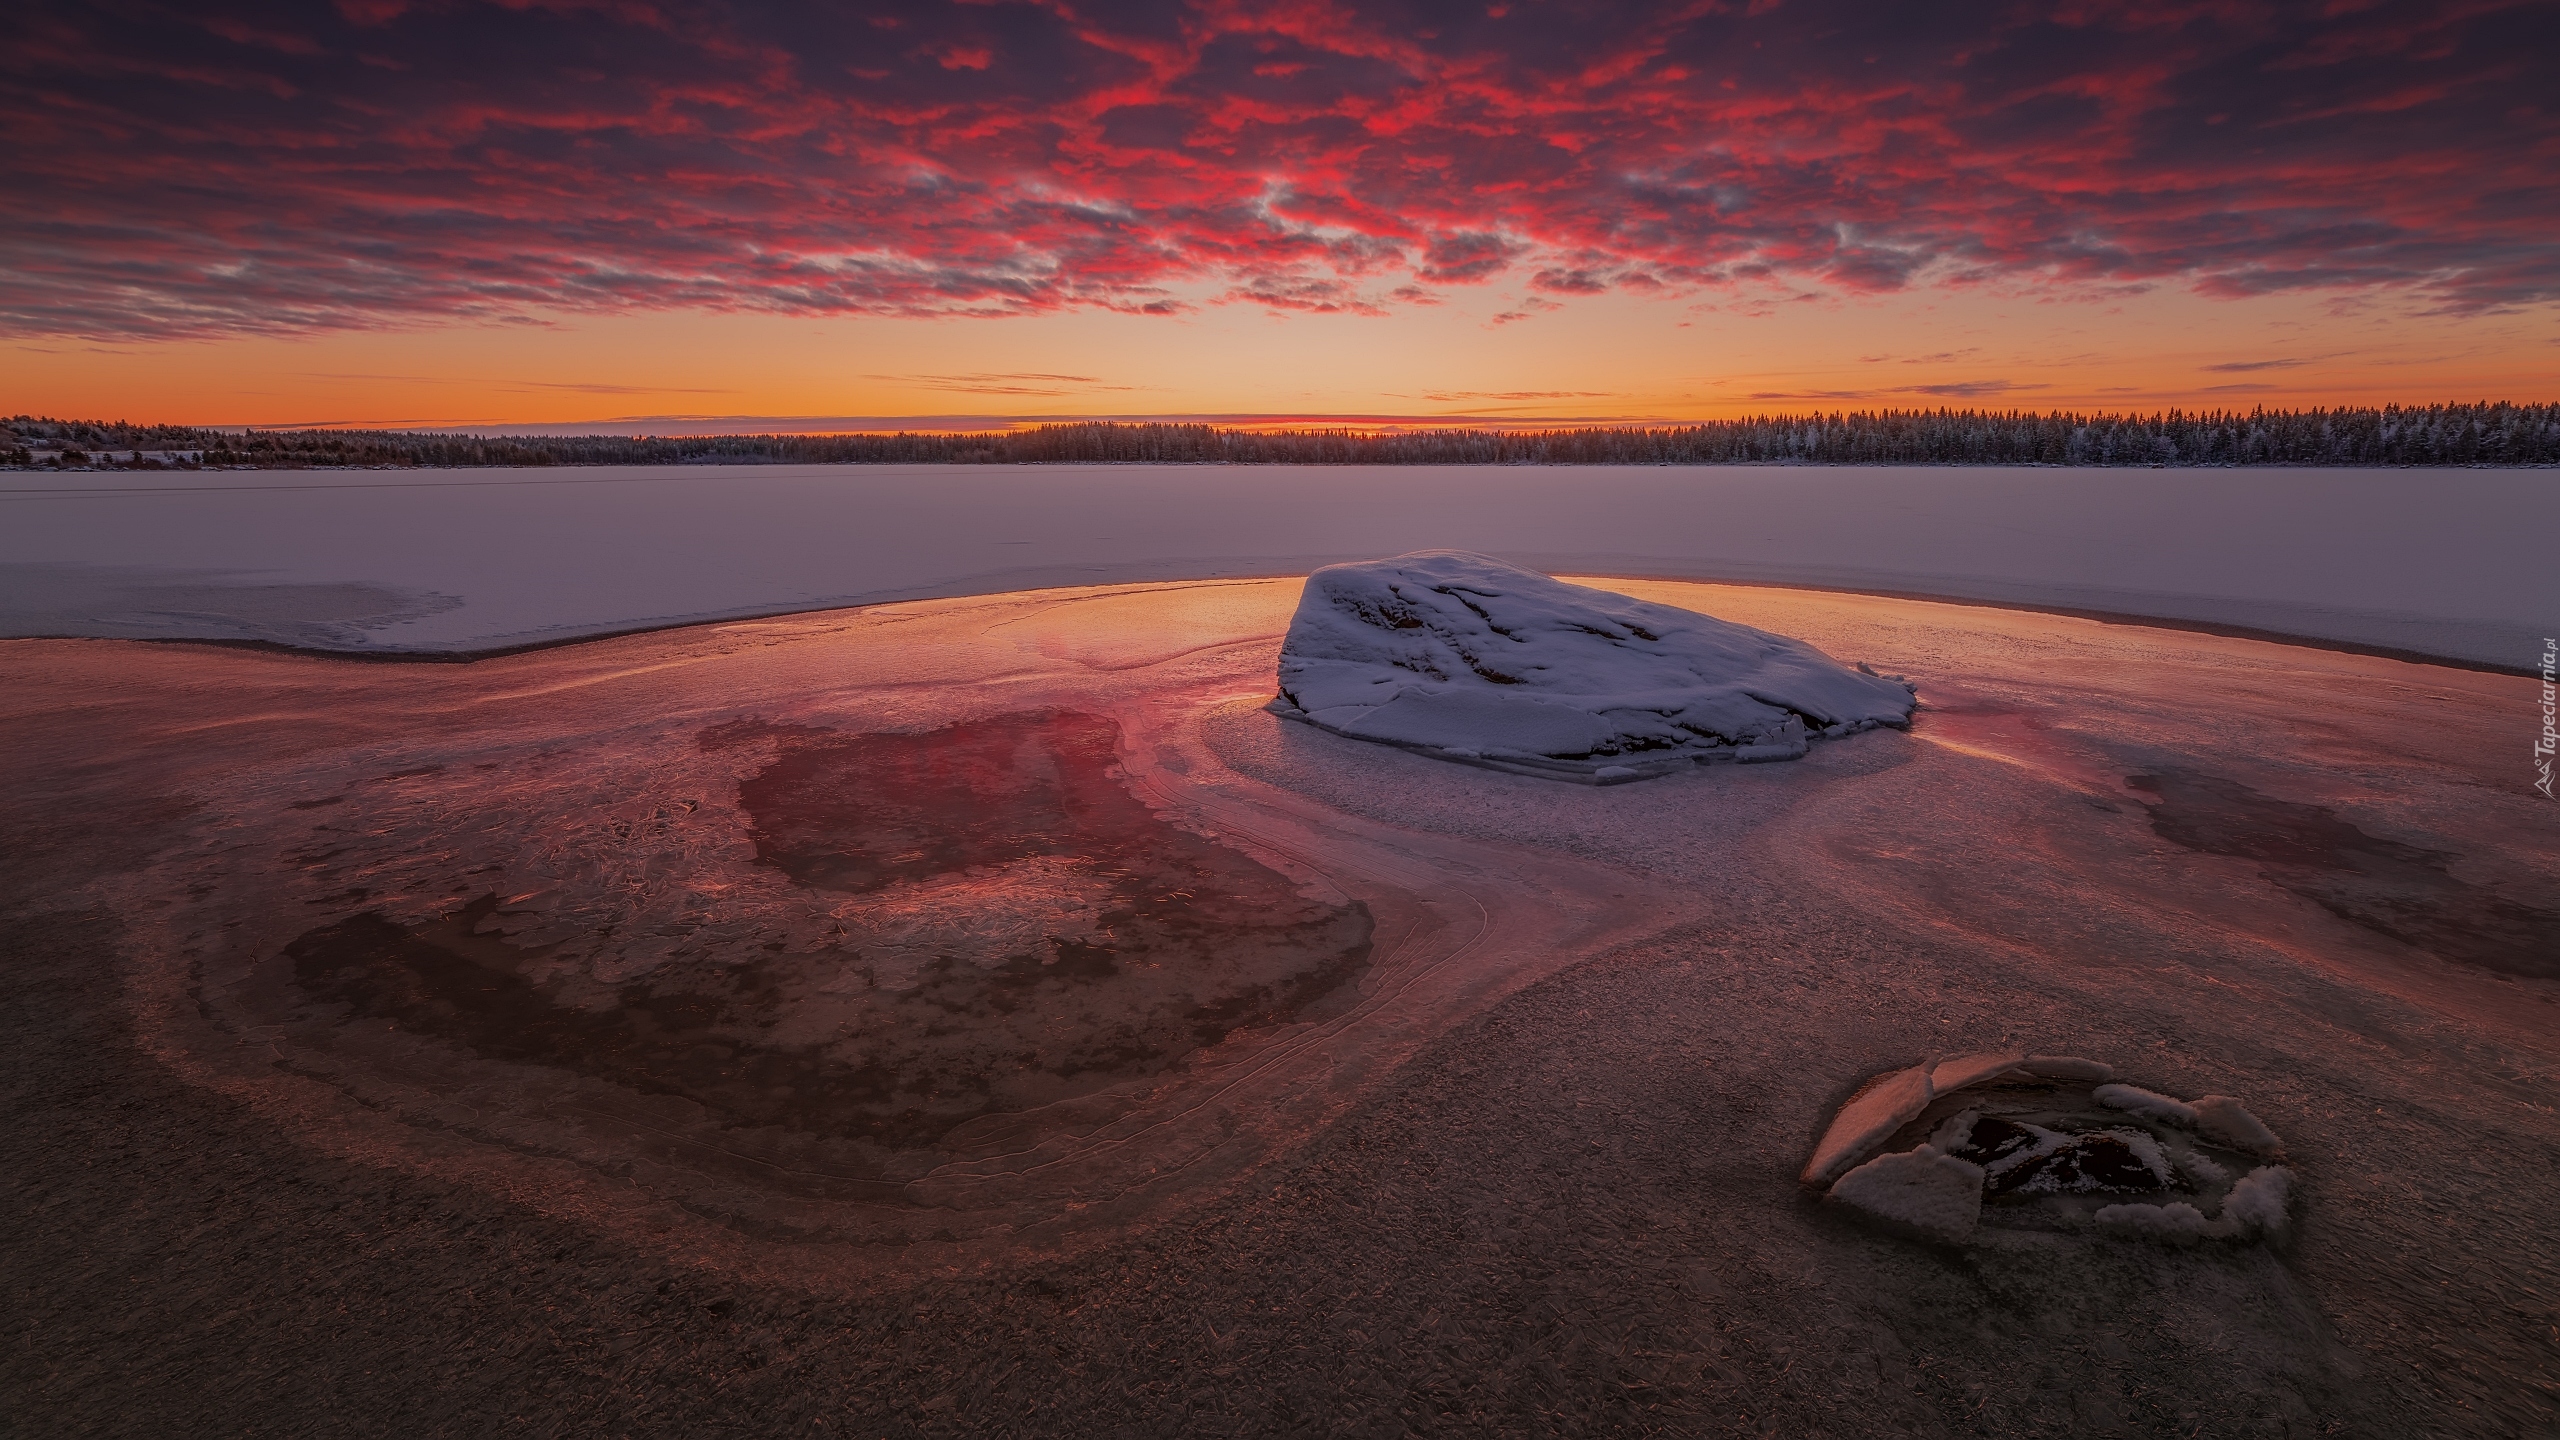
1060,718
389,214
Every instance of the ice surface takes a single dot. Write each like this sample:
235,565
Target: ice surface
1924,861
1461,654
1924,1192
2225,1119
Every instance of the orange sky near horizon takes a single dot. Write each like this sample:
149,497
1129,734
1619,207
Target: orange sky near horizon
1588,359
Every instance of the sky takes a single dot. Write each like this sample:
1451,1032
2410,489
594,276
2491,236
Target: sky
441,212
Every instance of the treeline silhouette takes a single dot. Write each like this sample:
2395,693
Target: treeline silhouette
2481,434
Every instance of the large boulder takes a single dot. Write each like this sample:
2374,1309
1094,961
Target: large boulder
1463,656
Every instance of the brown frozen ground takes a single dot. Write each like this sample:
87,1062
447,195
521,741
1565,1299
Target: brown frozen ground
979,1017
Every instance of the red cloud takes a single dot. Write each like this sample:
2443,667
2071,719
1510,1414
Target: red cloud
1006,158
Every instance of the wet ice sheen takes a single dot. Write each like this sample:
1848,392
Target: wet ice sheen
1464,656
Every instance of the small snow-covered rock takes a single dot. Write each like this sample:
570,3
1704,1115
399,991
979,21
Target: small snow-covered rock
1881,1106
1888,1102
2134,1100
2257,1205
2031,1146
1956,1072
2201,1170
2217,1117
1445,651
2227,1120
2177,1223
2066,1067
1924,1192
2255,1209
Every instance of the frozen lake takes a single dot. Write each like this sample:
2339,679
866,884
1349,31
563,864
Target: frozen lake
2452,563
968,950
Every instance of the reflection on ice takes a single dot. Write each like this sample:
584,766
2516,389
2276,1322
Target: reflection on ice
1016,929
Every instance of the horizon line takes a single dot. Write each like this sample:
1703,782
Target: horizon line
700,426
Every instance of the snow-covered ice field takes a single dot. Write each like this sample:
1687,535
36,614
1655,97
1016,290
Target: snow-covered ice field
2451,563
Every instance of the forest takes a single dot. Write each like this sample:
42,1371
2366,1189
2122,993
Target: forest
2393,435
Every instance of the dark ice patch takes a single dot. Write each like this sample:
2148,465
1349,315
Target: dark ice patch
2088,1165
2403,891
1991,1139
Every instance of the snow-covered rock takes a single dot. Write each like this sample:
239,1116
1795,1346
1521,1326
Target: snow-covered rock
2255,1209
2066,1067
2040,1149
2257,1205
1923,1192
2227,1120
2134,1100
1958,1071
2176,1223
1881,1106
1463,656
2217,1117
1888,1102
